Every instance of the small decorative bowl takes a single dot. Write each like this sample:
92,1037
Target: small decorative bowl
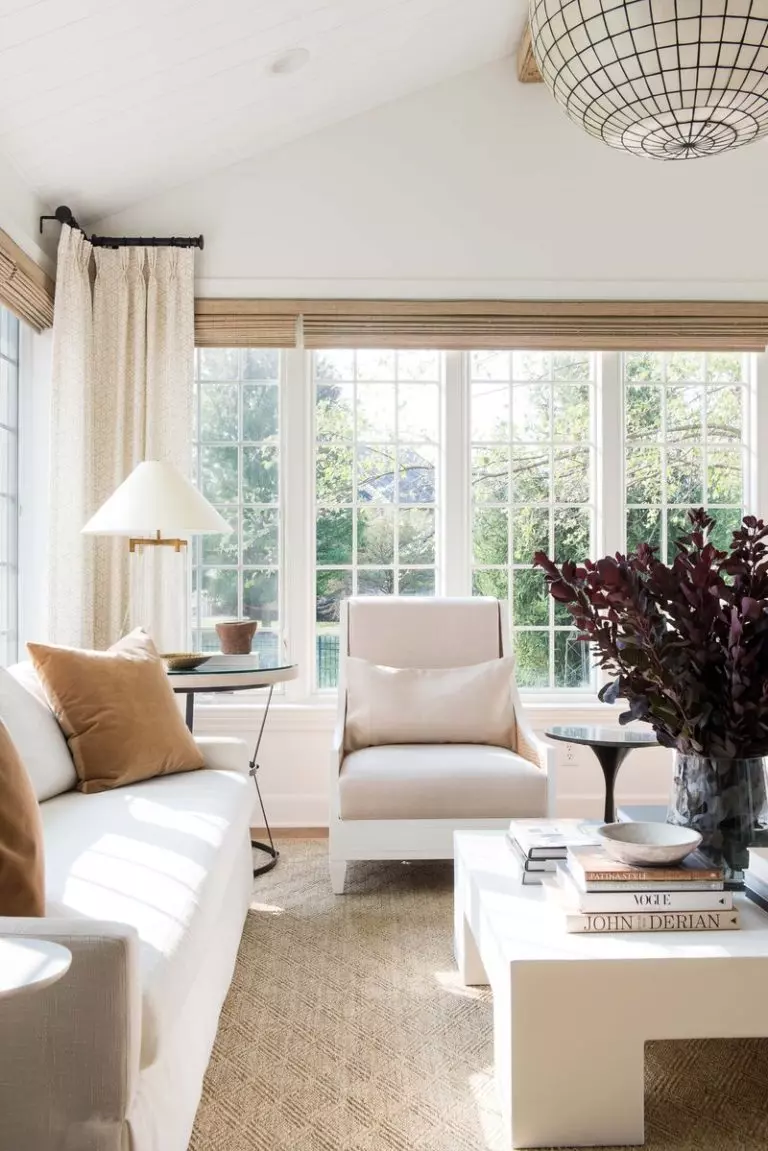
648,844
183,660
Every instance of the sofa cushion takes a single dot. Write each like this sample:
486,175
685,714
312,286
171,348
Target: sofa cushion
33,728
156,855
118,712
444,781
468,704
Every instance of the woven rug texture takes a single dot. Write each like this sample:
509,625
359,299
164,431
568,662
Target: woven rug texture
346,1028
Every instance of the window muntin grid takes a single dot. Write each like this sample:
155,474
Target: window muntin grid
237,467
377,457
685,443
532,443
9,486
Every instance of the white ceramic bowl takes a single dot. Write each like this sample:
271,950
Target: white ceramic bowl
648,844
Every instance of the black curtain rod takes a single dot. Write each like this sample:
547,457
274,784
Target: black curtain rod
64,216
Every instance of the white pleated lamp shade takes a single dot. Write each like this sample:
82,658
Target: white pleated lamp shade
156,499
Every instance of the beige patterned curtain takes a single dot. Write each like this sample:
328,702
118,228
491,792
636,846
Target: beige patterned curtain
123,347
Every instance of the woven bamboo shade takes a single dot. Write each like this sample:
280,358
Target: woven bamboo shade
24,287
245,323
588,325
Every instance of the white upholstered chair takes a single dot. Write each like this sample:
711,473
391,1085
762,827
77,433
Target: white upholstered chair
404,801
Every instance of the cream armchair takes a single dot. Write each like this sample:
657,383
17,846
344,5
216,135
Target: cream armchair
404,801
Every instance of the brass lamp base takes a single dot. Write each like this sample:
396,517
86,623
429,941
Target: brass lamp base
155,542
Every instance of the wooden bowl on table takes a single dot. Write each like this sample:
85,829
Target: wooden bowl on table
183,660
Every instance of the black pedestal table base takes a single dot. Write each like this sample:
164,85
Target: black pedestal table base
610,760
611,747
253,767
269,849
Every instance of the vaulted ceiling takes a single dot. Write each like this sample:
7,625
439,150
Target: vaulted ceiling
104,102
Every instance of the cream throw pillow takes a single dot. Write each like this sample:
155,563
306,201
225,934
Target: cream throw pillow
429,705
118,712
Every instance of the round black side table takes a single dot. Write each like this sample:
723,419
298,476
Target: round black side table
611,746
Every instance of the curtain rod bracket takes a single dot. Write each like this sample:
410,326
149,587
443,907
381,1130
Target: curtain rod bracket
64,215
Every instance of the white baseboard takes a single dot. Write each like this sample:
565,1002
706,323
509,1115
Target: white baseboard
295,810
591,805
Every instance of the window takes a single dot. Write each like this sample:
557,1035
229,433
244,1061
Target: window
685,443
532,417
423,472
237,465
9,489
377,482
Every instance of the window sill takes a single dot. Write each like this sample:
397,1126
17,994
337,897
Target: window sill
245,715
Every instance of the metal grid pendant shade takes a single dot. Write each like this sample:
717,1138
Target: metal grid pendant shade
670,79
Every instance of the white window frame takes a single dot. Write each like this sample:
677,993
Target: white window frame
454,562
197,564
10,508
747,444
356,568
592,504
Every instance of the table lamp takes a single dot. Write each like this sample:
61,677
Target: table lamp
158,508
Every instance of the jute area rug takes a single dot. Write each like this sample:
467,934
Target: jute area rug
347,1029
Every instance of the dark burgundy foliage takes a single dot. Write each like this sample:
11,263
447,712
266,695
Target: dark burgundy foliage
687,642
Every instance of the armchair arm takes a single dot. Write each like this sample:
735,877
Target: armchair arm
337,745
337,739
224,753
69,1062
538,752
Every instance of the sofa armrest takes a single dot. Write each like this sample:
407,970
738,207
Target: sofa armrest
69,1061
224,753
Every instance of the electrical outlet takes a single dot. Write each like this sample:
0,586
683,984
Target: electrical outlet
569,752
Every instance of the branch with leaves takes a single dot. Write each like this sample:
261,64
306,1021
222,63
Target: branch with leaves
686,643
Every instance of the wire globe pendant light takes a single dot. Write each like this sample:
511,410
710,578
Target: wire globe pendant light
669,79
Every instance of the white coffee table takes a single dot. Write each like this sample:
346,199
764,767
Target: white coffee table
571,1013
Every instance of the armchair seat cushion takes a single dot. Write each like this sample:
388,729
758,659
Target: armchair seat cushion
439,781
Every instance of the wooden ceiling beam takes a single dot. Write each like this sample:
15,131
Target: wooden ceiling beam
527,68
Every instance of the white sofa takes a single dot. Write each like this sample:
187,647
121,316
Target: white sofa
148,886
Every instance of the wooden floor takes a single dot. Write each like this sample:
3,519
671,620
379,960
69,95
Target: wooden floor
291,832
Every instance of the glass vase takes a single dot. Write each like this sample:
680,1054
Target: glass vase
726,801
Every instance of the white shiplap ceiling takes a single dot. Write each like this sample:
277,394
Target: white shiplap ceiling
103,103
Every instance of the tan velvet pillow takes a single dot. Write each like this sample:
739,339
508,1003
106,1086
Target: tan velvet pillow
118,712
22,878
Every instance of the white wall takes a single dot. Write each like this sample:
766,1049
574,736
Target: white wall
20,211
479,186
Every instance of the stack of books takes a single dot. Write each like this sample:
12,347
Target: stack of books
538,844
756,876
596,894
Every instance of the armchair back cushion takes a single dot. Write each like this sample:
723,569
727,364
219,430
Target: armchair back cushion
422,631
388,705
